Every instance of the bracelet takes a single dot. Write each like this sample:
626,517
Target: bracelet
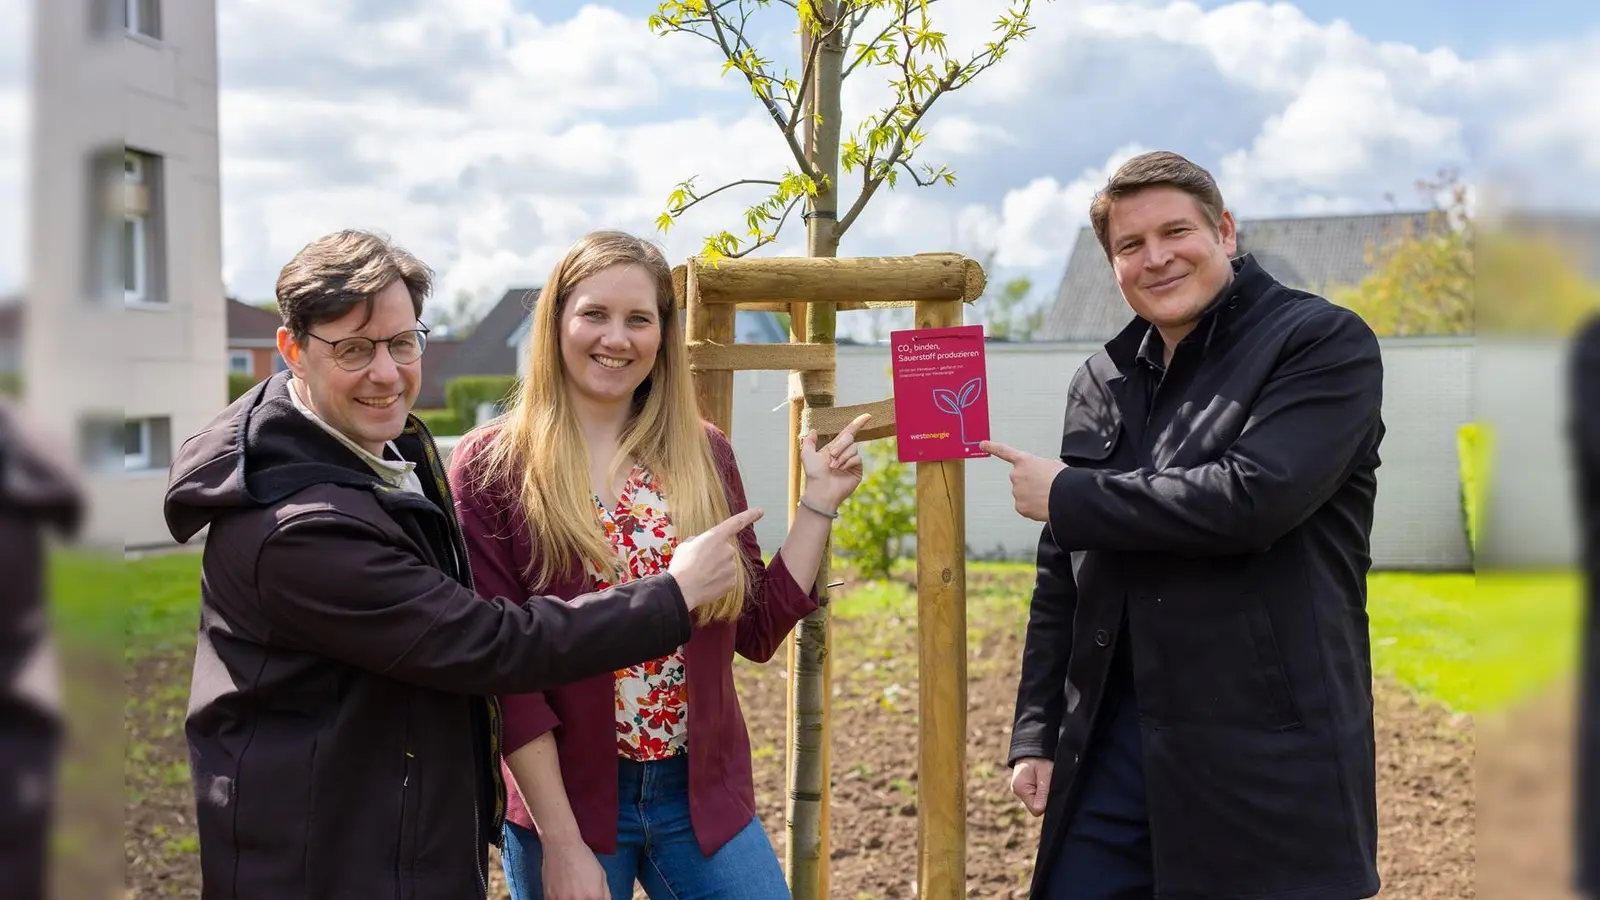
832,515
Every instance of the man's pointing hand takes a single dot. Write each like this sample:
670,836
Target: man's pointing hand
1031,477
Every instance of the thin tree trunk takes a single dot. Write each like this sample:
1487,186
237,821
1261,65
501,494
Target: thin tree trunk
808,793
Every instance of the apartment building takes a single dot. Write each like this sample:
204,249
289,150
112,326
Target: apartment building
126,250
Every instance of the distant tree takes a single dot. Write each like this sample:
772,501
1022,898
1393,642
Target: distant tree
455,317
1004,310
1456,276
1421,282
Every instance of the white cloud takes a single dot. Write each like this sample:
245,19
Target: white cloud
1037,223
1344,130
962,136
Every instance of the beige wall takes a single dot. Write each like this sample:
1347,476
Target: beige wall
127,361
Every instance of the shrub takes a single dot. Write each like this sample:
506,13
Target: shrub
442,422
880,515
239,384
463,394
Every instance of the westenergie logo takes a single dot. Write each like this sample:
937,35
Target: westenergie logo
929,436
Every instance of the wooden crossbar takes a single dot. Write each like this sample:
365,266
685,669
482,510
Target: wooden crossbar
853,282
783,306
705,356
829,421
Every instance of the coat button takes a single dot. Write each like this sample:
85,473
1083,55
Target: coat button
1102,637
1108,445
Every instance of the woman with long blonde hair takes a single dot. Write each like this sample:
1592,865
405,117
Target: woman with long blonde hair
600,467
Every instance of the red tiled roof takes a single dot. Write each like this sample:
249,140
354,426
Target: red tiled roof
251,323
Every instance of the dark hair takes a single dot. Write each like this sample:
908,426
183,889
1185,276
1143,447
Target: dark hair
333,274
1159,168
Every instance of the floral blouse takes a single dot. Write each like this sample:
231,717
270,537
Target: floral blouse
652,699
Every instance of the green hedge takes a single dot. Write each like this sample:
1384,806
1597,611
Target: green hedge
239,384
442,422
463,394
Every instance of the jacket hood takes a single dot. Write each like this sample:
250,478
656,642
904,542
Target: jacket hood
254,453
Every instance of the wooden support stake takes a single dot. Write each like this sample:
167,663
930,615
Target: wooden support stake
941,662
797,334
713,388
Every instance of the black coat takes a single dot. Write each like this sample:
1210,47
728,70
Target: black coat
343,740
1584,403
1229,517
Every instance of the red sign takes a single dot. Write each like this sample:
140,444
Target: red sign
941,393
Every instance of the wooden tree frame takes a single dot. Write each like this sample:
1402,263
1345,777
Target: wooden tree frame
937,285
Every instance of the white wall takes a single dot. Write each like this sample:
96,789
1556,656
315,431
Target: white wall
1428,395
1431,388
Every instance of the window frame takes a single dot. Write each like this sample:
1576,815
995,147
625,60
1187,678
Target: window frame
138,461
136,278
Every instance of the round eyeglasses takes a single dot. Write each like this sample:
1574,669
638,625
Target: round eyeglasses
355,353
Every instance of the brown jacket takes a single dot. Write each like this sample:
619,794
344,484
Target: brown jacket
342,733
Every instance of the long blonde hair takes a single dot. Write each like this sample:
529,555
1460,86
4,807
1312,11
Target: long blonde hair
540,449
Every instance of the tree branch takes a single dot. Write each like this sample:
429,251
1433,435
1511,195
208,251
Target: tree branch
850,38
770,238
805,84
872,182
767,101
913,173
732,184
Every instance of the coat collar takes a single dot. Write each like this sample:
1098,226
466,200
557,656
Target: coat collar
1249,284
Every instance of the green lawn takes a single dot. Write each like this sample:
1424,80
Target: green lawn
1475,644
1472,643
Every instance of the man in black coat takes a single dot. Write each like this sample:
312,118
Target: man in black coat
1194,714
1584,402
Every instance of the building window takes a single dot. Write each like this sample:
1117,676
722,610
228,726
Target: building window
142,17
140,228
136,444
146,444
241,362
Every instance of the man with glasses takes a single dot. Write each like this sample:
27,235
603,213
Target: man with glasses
343,737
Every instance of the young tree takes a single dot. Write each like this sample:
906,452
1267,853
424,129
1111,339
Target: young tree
838,39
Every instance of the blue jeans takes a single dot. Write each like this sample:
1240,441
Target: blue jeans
656,846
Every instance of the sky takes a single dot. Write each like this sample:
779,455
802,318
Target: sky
487,135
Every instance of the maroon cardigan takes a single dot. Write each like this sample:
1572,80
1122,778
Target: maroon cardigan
583,714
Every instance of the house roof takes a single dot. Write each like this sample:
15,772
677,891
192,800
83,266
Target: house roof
487,350
1312,253
250,325
435,366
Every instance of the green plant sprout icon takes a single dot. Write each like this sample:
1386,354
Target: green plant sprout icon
956,404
